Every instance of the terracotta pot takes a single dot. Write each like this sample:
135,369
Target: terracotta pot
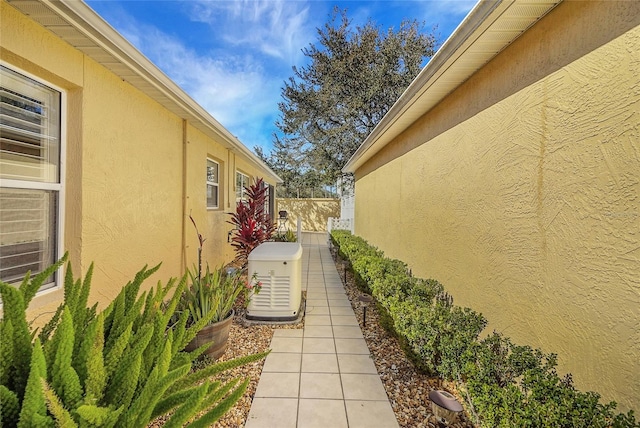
217,334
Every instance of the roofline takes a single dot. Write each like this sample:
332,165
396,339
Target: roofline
437,80
99,38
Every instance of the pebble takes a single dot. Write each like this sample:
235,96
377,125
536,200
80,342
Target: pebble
407,389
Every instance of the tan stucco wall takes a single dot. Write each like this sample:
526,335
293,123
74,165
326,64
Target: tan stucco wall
212,223
131,181
314,212
520,192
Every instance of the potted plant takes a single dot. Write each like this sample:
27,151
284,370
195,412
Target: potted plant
212,291
212,294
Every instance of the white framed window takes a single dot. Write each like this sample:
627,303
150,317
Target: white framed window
242,181
213,184
31,175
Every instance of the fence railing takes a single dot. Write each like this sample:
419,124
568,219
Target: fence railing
340,224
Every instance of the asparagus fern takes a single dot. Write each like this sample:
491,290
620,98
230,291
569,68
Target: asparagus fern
121,367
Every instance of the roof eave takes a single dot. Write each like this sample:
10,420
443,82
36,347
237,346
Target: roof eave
479,38
98,40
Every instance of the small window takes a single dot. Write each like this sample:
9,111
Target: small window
31,184
213,184
242,181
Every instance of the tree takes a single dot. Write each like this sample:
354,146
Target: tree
329,106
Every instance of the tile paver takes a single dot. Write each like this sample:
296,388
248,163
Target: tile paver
320,363
344,320
353,363
278,385
321,375
287,332
341,310
319,331
339,302
368,414
282,362
347,332
317,310
362,387
351,346
317,320
286,344
317,302
314,413
320,385
273,412
319,345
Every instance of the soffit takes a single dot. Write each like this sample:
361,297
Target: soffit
488,29
77,24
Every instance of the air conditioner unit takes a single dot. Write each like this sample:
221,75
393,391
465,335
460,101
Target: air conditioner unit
278,266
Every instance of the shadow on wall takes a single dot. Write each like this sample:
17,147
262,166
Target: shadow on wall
314,213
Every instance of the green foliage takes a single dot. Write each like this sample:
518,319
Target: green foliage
252,224
17,368
288,236
509,385
56,407
34,406
6,353
121,367
9,407
352,77
210,294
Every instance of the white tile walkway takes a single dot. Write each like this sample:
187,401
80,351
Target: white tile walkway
321,376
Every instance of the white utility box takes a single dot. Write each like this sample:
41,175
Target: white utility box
278,266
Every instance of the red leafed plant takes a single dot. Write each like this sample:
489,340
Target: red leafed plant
253,224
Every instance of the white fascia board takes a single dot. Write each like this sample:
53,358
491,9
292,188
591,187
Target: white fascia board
92,26
440,76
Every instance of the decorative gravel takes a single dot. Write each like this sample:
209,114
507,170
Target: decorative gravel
245,339
407,389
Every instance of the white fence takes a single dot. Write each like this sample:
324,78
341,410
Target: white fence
340,224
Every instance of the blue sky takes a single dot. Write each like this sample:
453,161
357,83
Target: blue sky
232,56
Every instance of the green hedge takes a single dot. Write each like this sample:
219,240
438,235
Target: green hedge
506,385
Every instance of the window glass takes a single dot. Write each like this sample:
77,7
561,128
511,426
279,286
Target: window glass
30,140
242,181
28,232
213,183
29,129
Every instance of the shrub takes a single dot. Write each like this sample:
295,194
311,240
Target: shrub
123,367
509,385
252,223
287,236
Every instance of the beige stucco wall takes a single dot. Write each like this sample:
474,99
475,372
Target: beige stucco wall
520,192
134,170
314,212
212,223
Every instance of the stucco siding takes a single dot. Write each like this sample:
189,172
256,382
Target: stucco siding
134,170
521,194
131,180
37,50
313,213
211,222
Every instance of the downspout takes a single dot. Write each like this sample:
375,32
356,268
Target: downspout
183,246
230,177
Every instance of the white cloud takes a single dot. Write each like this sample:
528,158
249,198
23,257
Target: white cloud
278,28
254,43
233,88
